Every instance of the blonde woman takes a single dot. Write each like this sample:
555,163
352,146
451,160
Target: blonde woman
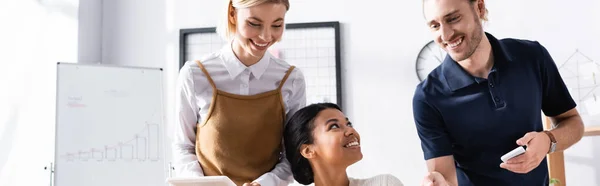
232,104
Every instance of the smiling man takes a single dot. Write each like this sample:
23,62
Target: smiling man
486,99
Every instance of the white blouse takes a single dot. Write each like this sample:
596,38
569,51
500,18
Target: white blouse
194,95
379,180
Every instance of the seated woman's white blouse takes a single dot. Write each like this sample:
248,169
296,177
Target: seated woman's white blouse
379,180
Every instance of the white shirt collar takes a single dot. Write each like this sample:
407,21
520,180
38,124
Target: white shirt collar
234,66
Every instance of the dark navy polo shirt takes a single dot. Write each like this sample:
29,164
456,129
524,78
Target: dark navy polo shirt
478,120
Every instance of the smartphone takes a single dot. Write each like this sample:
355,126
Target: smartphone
515,152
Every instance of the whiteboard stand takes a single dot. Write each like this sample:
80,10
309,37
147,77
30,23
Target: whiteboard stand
51,169
171,168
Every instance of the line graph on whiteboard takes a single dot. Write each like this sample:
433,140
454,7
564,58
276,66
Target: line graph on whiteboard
142,147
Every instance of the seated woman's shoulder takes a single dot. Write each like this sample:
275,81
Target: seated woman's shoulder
388,179
379,180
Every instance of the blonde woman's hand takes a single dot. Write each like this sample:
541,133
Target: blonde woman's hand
434,179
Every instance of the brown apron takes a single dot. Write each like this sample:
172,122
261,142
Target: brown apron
241,135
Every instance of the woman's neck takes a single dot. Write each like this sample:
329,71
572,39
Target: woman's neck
245,57
330,176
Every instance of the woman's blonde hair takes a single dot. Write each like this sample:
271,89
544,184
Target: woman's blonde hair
226,29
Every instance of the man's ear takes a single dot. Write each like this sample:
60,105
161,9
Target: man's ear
481,10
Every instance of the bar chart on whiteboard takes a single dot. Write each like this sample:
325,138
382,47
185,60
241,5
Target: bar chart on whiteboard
143,146
109,126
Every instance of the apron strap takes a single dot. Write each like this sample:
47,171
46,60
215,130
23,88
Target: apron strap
210,80
286,77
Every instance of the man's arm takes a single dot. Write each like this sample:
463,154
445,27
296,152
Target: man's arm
435,141
445,166
557,104
568,129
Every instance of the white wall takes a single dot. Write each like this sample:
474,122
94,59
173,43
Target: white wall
90,31
34,36
380,42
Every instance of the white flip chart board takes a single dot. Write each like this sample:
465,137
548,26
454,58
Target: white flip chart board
109,126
